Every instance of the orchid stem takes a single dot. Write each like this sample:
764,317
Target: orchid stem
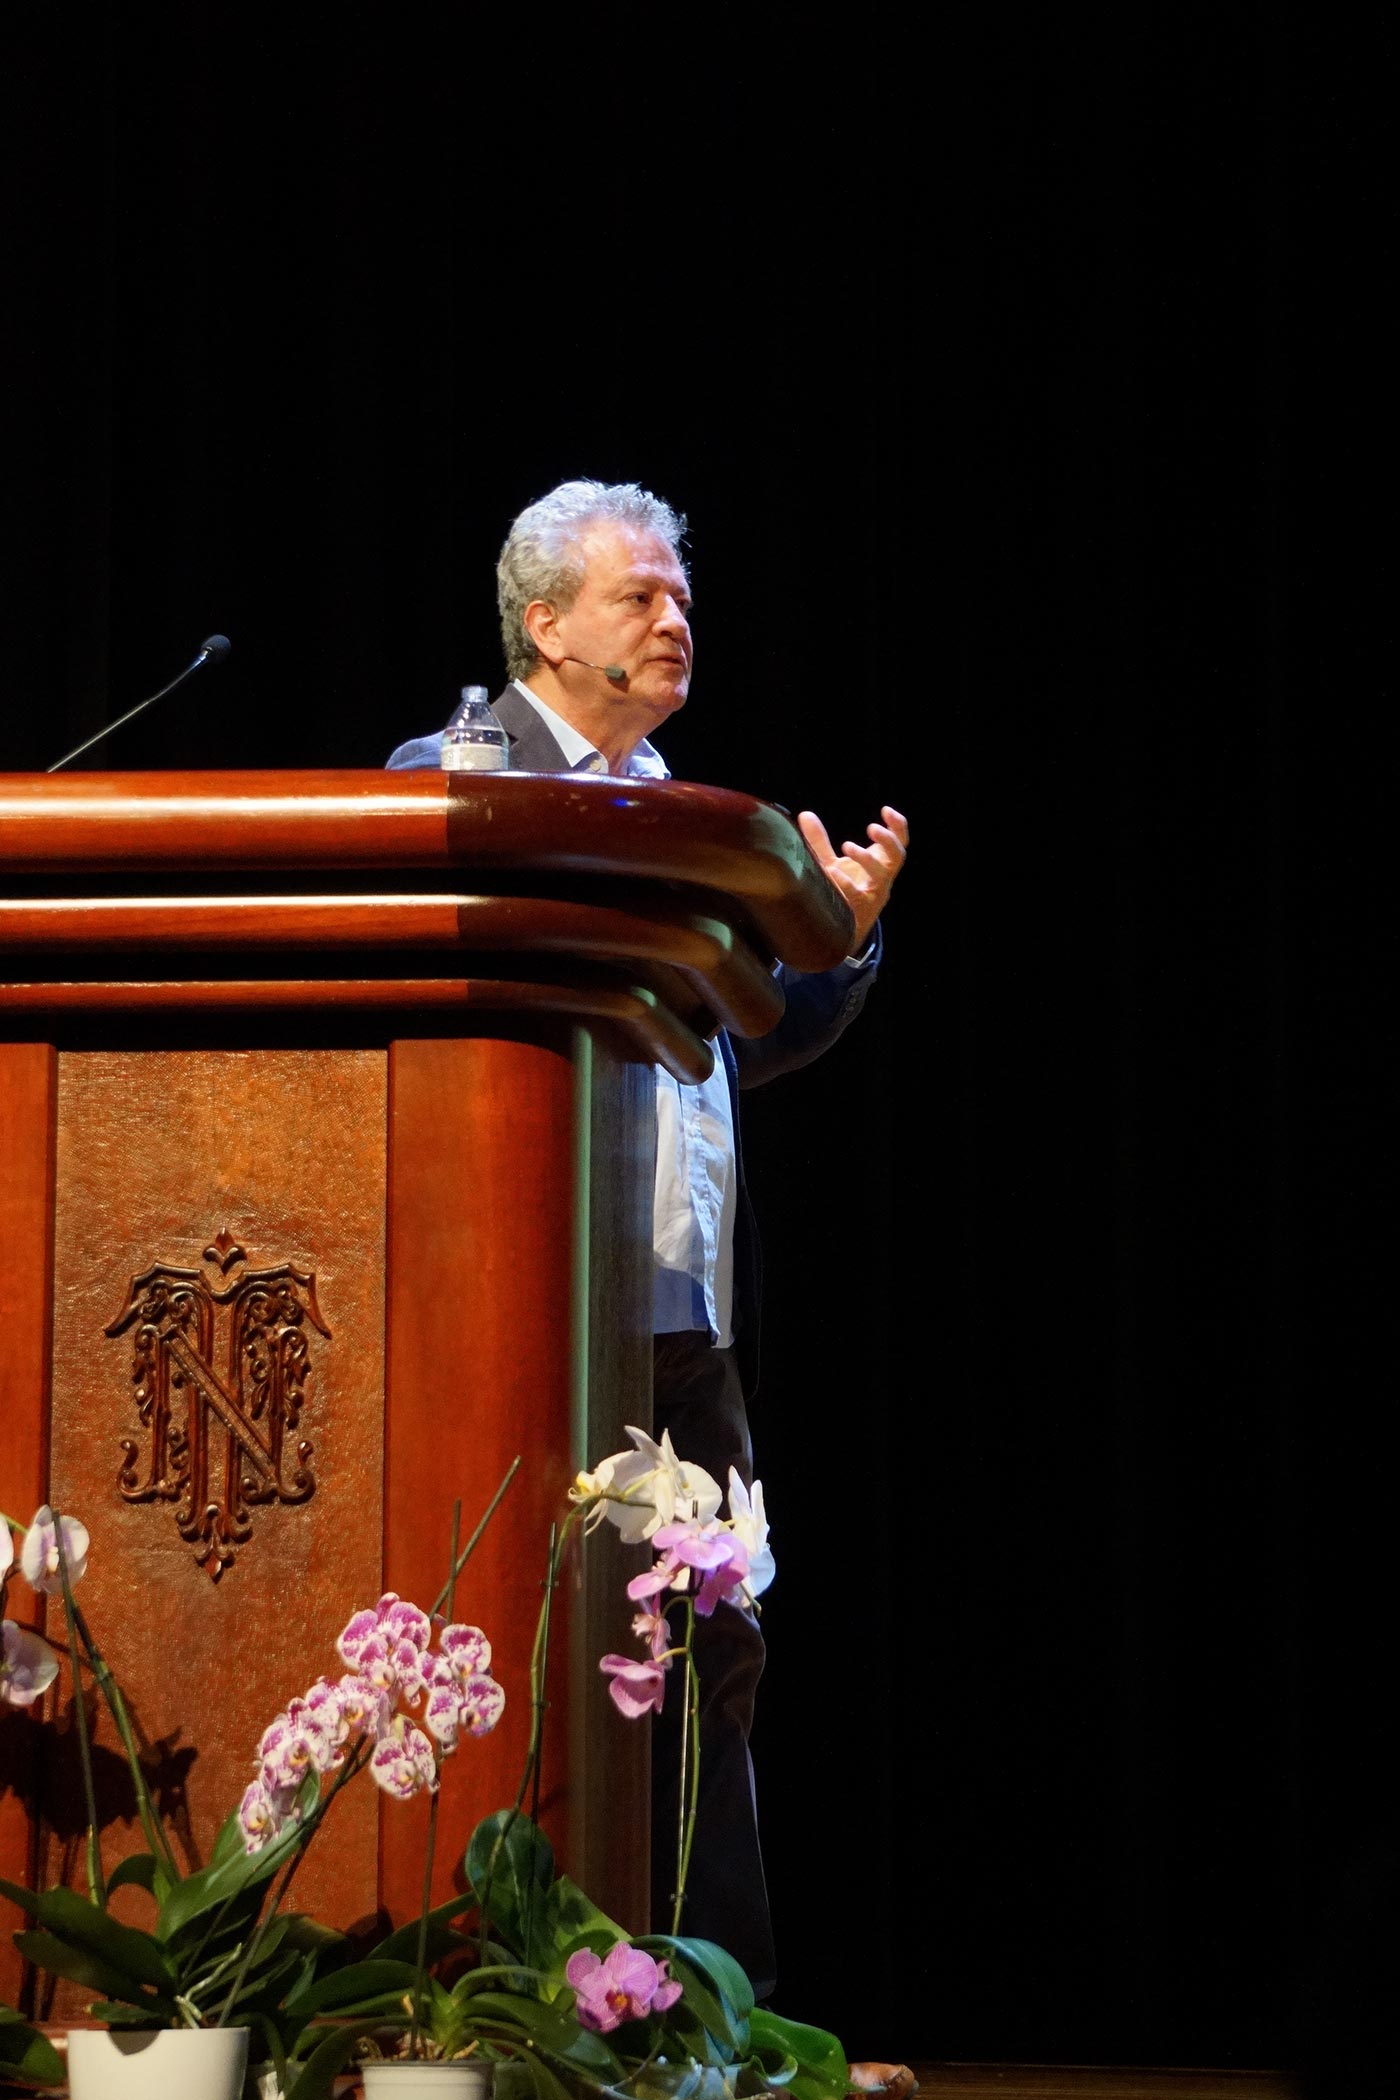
529,1776
351,1766
467,1551
96,1885
688,1782
151,1826
420,1959
420,1966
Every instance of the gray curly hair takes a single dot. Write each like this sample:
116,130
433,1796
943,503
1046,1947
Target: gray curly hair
543,553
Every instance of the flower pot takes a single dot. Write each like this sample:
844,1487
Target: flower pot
173,2063
405,2079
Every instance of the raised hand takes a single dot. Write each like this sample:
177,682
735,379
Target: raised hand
863,874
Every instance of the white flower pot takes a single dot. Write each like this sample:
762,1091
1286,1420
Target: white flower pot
173,2063
407,2080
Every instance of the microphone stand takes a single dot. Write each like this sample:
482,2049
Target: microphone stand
215,650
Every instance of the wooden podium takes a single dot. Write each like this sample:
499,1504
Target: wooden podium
325,1194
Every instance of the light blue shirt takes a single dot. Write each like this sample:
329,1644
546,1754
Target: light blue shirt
696,1187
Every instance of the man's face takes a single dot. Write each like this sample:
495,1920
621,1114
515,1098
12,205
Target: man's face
632,609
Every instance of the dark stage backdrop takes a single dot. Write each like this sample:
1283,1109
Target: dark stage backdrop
1018,379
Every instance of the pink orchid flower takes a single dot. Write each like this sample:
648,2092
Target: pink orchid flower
626,1985
38,1556
258,1816
637,1687
28,1665
689,1548
466,1651
403,1762
654,1628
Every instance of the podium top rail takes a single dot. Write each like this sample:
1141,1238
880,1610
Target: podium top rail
503,825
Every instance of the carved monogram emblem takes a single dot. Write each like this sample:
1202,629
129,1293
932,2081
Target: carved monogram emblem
220,1371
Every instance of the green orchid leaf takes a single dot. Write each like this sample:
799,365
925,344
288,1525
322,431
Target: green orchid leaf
506,1975
81,1965
315,2078
227,1876
310,1936
599,1941
771,2066
572,1919
112,2014
551,2028
510,1865
342,1989
138,1871
27,1899
528,2077
682,2081
27,2055
70,1918
822,2072
715,1990
723,1972
229,1842
402,1944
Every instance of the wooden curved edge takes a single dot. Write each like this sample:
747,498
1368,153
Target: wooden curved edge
722,974
661,830
648,1031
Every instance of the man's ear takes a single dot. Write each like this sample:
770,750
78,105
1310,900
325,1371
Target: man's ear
541,622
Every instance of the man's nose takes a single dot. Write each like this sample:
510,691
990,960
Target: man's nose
670,617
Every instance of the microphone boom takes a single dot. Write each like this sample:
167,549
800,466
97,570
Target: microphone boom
213,650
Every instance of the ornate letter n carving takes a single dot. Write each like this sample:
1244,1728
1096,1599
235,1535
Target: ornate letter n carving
221,1420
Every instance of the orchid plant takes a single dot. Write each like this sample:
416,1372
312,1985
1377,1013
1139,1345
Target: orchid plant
550,1990
222,1949
560,1998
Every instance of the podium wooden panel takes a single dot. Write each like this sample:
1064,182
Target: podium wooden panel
325,1171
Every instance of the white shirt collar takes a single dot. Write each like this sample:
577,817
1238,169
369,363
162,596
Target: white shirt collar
645,762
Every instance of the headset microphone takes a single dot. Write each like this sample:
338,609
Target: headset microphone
613,671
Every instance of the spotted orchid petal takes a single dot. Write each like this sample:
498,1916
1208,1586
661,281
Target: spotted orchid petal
361,1628
257,1817
364,1707
400,1621
467,1649
403,1762
443,1715
483,1703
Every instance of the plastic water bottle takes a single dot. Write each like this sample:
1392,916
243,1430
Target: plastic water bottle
474,741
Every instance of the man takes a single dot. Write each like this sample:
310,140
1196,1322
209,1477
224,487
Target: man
595,621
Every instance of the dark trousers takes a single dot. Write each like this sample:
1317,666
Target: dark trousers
697,1396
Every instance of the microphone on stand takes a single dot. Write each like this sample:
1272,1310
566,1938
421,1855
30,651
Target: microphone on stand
212,650
613,671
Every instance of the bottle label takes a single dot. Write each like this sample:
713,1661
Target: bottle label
474,758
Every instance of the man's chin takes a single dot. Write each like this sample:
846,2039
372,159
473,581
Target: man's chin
668,695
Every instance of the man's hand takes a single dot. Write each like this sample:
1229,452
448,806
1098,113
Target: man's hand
863,874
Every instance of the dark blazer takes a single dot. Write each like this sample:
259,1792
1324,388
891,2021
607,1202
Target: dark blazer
818,1007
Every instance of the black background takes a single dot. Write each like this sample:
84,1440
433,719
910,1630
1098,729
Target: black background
1021,376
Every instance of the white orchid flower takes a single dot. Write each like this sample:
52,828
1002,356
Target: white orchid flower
750,1527
28,1665
642,1489
38,1556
